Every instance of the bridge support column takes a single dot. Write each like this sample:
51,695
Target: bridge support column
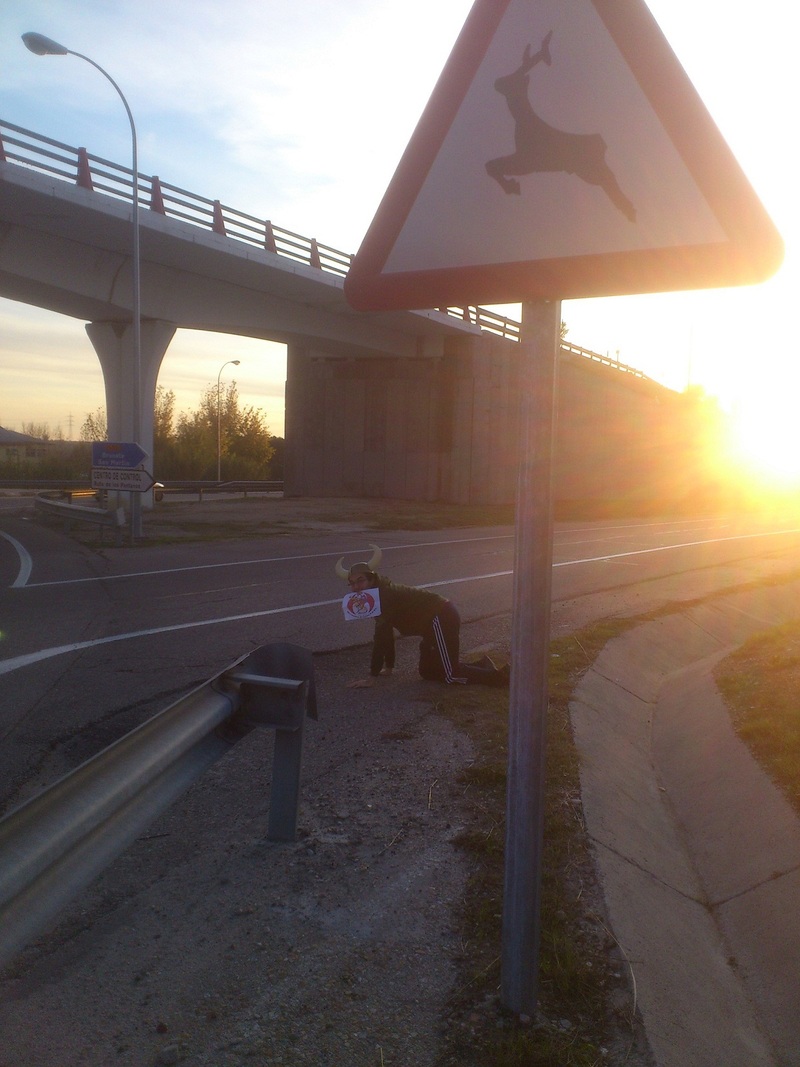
438,427
113,343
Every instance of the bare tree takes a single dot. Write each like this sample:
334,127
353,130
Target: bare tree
95,426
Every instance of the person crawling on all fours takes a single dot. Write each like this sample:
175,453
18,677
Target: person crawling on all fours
414,611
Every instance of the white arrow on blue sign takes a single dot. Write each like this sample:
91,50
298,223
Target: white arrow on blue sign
116,455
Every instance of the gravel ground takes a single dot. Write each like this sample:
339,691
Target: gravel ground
207,945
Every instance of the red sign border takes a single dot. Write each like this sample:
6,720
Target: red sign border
752,253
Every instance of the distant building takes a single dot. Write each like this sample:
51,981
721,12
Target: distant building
21,448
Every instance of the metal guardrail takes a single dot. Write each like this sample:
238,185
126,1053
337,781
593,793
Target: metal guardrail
72,513
47,156
55,844
68,486
78,489
202,488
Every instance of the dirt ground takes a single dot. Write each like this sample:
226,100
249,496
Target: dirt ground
271,514
209,946
205,944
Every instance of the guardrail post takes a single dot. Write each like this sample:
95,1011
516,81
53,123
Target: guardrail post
276,689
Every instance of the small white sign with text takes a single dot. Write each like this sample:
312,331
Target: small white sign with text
362,604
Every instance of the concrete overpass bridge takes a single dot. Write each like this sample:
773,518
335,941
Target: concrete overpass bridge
418,404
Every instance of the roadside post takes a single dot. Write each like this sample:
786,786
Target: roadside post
563,154
530,654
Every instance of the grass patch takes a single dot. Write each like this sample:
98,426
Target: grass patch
581,981
760,683
216,519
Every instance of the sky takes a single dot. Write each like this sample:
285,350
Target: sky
299,112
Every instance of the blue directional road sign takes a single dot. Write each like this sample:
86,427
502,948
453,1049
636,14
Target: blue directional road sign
118,456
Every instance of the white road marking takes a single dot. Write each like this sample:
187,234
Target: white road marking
25,561
318,555
253,562
669,548
14,664
17,662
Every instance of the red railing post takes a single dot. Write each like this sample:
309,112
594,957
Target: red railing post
84,178
269,238
156,198
313,257
219,221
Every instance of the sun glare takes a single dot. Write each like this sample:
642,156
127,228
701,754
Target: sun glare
766,442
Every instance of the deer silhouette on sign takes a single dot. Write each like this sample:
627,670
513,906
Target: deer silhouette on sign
540,147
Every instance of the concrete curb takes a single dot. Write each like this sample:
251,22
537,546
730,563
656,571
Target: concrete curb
698,852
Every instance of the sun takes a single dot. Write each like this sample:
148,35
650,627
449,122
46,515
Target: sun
765,440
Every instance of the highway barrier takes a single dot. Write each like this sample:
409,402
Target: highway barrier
55,844
72,513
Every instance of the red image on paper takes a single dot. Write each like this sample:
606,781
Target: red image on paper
364,604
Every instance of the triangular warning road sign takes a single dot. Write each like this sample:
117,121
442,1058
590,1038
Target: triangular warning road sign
564,153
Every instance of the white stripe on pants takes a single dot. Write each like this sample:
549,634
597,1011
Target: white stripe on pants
444,653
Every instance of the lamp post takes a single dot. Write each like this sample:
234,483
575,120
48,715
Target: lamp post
45,46
236,363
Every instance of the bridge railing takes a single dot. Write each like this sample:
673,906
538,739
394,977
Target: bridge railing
607,361
491,321
47,156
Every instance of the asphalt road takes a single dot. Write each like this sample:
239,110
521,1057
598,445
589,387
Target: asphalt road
203,943
94,642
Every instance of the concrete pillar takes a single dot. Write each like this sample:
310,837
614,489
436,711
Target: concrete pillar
300,423
438,427
113,343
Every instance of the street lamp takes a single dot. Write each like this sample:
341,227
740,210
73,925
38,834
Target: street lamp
236,363
45,46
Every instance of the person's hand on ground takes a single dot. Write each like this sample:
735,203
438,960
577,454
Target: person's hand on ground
362,683
367,683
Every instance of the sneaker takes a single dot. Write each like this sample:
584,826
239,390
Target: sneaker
485,663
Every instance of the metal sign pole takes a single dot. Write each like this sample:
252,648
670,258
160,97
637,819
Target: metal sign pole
530,654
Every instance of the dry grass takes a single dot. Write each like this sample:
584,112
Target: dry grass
226,518
761,685
580,980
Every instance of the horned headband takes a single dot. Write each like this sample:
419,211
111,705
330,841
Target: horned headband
372,566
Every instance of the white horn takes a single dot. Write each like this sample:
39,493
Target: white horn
340,571
375,560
